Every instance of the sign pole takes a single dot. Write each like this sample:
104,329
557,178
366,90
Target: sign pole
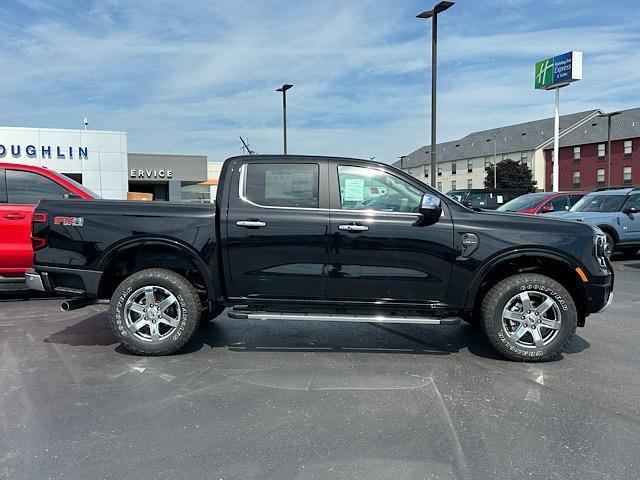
556,142
556,72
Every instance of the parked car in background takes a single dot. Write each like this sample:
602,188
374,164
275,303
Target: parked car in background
542,202
21,188
616,212
487,198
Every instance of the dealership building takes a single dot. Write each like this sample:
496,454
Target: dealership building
461,163
100,160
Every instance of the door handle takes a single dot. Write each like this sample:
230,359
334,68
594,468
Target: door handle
352,227
14,216
251,223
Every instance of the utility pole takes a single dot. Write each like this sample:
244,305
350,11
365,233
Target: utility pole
609,115
494,134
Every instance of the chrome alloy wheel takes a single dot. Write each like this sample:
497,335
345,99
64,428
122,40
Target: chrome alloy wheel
152,313
531,319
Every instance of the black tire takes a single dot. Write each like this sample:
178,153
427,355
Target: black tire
210,314
503,334
611,245
184,312
628,252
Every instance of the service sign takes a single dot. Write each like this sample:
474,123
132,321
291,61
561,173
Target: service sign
558,71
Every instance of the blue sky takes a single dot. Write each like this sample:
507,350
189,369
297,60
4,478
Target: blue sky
189,77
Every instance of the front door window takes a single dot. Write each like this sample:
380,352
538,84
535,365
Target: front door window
363,188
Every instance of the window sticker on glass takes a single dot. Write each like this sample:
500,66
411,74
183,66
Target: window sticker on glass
281,184
500,199
354,190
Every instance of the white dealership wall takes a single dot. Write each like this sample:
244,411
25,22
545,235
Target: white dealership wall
104,170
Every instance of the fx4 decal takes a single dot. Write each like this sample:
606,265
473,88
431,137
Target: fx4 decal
69,221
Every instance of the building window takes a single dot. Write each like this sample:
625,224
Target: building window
600,176
453,185
425,170
470,166
601,151
523,158
439,170
454,168
439,186
487,162
626,174
628,147
470,183
576,178
576,154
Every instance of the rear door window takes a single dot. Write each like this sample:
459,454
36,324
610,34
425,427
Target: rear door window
282,185
28,188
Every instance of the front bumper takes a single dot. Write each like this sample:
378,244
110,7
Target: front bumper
599,292
608,304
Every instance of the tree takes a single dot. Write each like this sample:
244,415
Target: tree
511,174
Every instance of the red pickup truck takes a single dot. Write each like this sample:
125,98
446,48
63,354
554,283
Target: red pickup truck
21,187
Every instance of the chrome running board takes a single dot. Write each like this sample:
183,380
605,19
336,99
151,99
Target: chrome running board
331,317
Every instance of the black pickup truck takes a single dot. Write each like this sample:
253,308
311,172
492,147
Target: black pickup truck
322,239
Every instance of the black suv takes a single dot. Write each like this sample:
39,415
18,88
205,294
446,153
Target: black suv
322,239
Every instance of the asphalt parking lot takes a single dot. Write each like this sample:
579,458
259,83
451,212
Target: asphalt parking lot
258,400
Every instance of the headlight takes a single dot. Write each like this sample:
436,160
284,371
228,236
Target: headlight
600,248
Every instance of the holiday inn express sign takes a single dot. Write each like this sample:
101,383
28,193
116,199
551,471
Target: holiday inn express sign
558,71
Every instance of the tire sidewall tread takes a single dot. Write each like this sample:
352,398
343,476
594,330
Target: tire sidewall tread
498,296
184,292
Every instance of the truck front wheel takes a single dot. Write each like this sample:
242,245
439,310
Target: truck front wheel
154,312
529,317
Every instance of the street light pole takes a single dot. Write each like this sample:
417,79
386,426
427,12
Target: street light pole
609,115
495,160
494,135
440,7
284,89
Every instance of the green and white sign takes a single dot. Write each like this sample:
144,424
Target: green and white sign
558,71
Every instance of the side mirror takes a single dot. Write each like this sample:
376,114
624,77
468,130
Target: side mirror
547,208
430,209
630,210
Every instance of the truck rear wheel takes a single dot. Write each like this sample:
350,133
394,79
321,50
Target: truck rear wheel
529,317
154,312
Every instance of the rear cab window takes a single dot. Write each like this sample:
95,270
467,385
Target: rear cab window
290,185
28,188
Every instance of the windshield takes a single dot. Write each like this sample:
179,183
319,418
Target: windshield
79,186
525,202
599,203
